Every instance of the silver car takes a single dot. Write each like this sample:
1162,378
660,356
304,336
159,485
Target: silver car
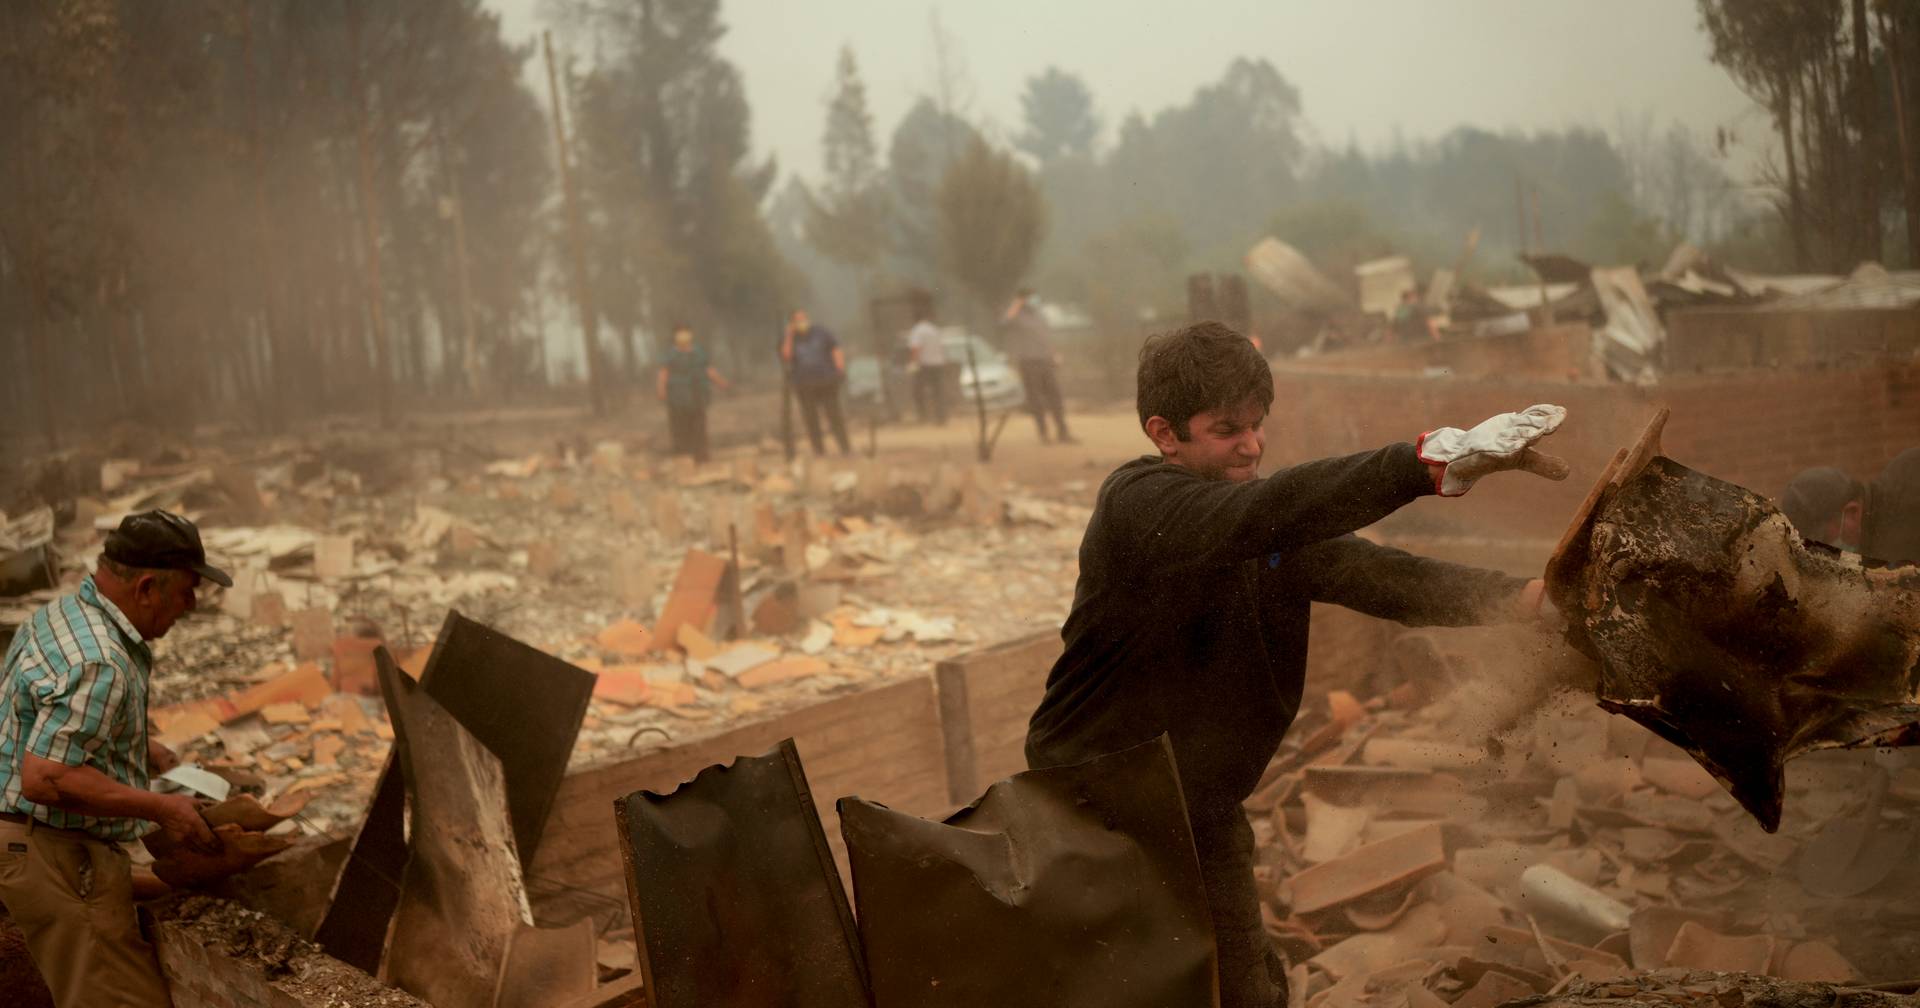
998,381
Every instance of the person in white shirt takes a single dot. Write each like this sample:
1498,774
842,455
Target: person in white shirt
928,359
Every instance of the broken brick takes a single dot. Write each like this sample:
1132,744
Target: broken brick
697,645
627,686
305,684
284,713
1696,946
353,670
694,598
784,670
1399,860
1813,960
625,637
312,633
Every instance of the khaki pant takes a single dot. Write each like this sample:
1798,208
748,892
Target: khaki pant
72,896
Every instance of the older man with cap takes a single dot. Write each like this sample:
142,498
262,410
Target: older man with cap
75,759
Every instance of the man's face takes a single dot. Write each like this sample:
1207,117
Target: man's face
160,600
1221,444
683,338
800,320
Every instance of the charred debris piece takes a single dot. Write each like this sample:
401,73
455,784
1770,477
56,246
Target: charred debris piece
734,892
1068,886
1717,627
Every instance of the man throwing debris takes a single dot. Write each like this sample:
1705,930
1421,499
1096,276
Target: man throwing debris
75,758
1190,615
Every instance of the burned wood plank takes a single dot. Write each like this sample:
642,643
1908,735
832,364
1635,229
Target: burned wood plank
735,897
1067,886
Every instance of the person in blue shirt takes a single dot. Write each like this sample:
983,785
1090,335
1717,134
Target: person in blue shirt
687,378
817,367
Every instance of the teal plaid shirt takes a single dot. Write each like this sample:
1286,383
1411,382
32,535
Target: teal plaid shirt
75,693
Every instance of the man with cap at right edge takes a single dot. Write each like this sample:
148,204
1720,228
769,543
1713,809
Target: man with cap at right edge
1878,520
75,761
1190,615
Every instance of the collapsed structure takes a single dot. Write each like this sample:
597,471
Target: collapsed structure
1416,845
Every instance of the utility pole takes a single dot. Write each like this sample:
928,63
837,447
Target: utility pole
582,284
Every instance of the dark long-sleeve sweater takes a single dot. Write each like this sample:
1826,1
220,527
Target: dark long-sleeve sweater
1190,615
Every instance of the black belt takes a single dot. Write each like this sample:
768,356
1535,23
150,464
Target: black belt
16,817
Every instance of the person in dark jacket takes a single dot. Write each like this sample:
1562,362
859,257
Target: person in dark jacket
817,367
1879,520
1892,525
1190,614
1826,505
687,377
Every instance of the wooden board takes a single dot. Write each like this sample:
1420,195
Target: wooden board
1569,556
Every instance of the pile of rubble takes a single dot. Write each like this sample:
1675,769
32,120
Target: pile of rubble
701,595
1469,837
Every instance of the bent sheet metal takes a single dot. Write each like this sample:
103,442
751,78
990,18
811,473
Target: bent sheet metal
1719,628
736,900
1070,886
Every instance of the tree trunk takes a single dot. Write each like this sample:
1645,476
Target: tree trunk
1896,44
1864,92
369,208
1796,209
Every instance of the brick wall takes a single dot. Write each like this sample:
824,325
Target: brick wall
1754,428
882,744
1560,353
1709,339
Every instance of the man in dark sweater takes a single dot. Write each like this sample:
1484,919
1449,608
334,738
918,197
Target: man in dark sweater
1190,615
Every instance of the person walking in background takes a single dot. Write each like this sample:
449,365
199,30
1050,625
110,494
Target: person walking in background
817,367
928,358
687,378
1030,344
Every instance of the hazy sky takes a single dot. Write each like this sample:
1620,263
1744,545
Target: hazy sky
1364,68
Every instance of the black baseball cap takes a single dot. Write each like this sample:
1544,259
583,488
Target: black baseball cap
162,540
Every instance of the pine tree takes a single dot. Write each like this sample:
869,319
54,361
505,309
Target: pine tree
847,220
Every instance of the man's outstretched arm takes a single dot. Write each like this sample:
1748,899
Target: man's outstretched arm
1413,590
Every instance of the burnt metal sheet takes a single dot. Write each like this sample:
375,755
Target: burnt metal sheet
525,707
736,900
461,902
1069,886
1720,629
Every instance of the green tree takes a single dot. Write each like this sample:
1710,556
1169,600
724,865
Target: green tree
1219,164
848,221
664,123
1059,115
992,218
924,144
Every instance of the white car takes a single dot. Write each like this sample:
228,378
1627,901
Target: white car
998,381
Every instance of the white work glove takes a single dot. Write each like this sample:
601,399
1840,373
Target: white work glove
1503,442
